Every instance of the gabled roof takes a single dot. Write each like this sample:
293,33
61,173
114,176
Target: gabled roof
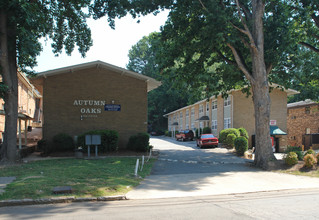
301,103
151,83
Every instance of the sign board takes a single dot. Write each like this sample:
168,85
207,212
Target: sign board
273,122
92,139
88,139
96,139
113,108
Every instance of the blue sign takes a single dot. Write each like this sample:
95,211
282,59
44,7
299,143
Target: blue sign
114,108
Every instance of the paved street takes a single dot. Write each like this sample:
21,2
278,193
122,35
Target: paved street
185,170
301,204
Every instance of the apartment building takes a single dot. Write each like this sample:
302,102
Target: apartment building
94,96
235,111
303,124
29,106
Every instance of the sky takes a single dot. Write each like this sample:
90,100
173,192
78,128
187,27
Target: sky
110,46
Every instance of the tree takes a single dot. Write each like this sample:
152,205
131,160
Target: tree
22,24
169,96
304,68
228,44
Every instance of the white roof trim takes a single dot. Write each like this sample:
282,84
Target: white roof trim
151,83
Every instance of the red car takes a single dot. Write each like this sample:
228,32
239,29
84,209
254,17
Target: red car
207,140
185,135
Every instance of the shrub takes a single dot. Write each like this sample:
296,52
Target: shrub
62,142
241,145
41,144
224,133
291,158
243,133
197,132
139,142
109,140
230,139
297,150
207,130
309,160
168,133
310,151
45,147
317,157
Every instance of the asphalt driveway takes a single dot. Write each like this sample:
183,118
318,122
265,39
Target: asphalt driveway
185,170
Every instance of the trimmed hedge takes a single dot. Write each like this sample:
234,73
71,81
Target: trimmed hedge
139,142
109,140
62,142
291,158
230,139
310,151
207,130
241,145
297,150
310,160
243,133
224,133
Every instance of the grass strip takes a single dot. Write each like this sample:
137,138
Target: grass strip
88,178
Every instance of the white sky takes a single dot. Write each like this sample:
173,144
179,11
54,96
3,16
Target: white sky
110,46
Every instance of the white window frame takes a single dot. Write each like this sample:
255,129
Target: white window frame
227,102
187,119
207,108
214,124
201,110
227,123
214,105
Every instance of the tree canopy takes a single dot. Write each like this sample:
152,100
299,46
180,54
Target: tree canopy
169,96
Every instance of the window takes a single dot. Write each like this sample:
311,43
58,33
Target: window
307,110
201,109
214,124
307,130
187,119
181,115
207,107
227,101
227,123
214,105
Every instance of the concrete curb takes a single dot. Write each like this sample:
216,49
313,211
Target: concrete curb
18,202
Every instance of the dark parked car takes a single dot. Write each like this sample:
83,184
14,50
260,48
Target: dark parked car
185,135
207,140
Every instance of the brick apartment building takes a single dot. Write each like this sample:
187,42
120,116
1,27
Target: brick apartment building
29,106
233,112
94,96
303,124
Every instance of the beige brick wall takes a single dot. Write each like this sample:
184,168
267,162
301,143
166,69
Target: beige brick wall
61,115
298,121
26,103
244,112
241,112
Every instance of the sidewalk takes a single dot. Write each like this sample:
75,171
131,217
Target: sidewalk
203,184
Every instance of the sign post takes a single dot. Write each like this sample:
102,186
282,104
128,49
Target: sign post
93,140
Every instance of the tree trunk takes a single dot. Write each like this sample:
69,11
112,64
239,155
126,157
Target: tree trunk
9,75
260,90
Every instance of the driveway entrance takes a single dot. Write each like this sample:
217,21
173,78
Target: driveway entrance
184,170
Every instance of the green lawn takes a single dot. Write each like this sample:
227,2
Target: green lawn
103,177
314,173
